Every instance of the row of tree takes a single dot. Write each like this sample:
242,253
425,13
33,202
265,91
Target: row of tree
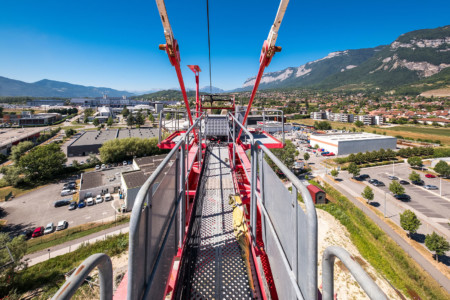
64,111
118,150
410,222
415,151
380,155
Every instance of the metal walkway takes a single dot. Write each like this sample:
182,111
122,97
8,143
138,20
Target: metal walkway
216,268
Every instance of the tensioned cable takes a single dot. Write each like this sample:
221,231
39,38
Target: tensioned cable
209,47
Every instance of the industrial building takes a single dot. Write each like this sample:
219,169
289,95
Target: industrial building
90,141
132,181
12,136
347,143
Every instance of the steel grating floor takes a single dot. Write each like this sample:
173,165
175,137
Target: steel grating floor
217,270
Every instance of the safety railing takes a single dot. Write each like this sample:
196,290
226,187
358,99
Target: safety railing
100,260
289,233
157,224
175,122
364,280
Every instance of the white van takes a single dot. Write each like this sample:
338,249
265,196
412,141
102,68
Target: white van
67,192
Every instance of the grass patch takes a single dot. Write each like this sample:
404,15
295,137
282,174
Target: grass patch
16,191
424,130
59,237
380,250
49,275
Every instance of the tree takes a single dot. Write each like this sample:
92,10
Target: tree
12,175
69,132
353,169
125,112
128,148
306,156
43,162
334,173
95,122
368,194
168,116
415,161
396,188
130,120
19,150
390,154
316,146
442,168
151,118
351,157
414,176
437,243
359,158
409,222
322,125
286,155
140,119
359,123
109,122
18,247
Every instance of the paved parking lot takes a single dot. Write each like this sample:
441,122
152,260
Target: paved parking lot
436,209
37,209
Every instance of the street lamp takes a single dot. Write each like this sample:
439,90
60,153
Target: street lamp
393,168
385,204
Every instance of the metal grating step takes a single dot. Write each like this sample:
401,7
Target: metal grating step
218,271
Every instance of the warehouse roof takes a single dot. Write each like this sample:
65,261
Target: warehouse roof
351,136
100,137
134,179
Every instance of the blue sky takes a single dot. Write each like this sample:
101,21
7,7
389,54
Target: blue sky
115,43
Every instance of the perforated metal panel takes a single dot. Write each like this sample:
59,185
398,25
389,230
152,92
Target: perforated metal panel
219,271
217,125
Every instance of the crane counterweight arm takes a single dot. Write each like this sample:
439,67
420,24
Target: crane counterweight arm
267,52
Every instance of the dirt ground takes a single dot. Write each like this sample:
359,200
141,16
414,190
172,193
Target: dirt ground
333,233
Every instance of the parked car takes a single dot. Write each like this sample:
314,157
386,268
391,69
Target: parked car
124,162
402,197
81,204
38,232
378,183
27,233
393,177
82,162
62,225
97,167
90,201
73,205
372,180
98,199
67,192
418,182
63,202
431,187
430,176
404,182
103,166
108,197
49,228
70,185
364,176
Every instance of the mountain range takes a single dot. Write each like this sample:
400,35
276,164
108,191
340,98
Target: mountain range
413,58
51,88
415,62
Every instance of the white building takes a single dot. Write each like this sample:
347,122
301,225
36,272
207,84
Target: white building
346,143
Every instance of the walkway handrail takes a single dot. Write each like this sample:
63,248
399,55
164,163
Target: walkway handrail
100,260
364,280
310,215
135,221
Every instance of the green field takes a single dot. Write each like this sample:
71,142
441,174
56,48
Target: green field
425,130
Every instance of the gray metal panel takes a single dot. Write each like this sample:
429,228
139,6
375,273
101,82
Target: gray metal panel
281,210
161,209
290,223
217,125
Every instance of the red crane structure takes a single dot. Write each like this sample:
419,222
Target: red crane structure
213,220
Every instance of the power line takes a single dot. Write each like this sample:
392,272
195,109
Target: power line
209,47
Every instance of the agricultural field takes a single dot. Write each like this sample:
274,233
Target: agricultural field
425,130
